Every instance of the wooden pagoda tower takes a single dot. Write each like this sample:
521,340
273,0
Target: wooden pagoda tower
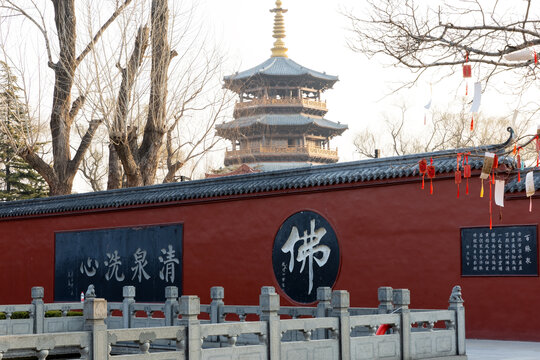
279,118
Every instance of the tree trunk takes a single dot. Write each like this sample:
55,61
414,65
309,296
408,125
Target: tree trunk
155,125
114,180
124,138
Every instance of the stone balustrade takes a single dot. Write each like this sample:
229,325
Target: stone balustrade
330,330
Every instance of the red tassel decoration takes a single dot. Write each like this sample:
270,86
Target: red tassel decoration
422,168
537,151
457,180
490,205
467,73
431,175
535,58
467,172
457,174
495,162
519,164
472,122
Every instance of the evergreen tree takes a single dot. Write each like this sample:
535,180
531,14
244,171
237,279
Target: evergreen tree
17,179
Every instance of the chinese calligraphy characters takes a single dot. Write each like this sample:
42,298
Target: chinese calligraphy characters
309,247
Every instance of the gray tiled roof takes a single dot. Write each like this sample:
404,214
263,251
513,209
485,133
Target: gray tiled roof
514,186
279,66
281,120
340,173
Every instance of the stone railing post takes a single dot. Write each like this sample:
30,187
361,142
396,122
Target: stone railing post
128,292
324,297
39,309
95,313
171,300
340,309
402,300
269,305
217,293
456,304
190,308
385,300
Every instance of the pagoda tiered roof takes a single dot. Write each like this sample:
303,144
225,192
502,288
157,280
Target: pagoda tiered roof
279,69
275,120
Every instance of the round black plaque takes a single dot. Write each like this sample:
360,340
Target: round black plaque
305,256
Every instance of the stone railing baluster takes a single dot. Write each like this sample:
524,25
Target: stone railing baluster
269,305
128,292
340,309
190,308
402,300
456,304
39,309
171,300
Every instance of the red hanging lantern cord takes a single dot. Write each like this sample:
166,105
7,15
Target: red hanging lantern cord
519,164
467,171
490,204
422,168
457,174
431,175
537,151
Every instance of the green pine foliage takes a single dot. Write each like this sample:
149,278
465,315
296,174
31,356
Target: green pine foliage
17,179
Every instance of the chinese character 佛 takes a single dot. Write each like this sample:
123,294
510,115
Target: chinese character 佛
113,262
167,271
309,247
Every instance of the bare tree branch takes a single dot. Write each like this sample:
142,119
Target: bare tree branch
100,32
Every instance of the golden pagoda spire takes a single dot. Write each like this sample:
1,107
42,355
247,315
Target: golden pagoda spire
279,49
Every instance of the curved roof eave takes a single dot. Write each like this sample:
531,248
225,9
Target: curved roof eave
281,120
279,67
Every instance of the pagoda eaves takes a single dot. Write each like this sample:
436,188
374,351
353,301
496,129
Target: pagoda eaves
279,71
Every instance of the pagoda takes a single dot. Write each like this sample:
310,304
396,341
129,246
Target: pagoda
279,118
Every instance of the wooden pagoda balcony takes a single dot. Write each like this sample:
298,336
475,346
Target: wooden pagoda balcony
285,102
275,153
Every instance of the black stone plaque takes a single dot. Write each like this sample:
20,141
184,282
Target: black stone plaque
149,258
305,256
501,251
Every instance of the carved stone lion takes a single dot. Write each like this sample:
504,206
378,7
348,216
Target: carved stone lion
456,294
91,292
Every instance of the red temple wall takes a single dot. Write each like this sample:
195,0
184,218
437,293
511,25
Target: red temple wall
389,235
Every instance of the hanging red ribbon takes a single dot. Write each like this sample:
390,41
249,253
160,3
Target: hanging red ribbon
472,122
431,175
457,174
535,58
422,168
467,73
490,204
537,151
519,164
467,172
